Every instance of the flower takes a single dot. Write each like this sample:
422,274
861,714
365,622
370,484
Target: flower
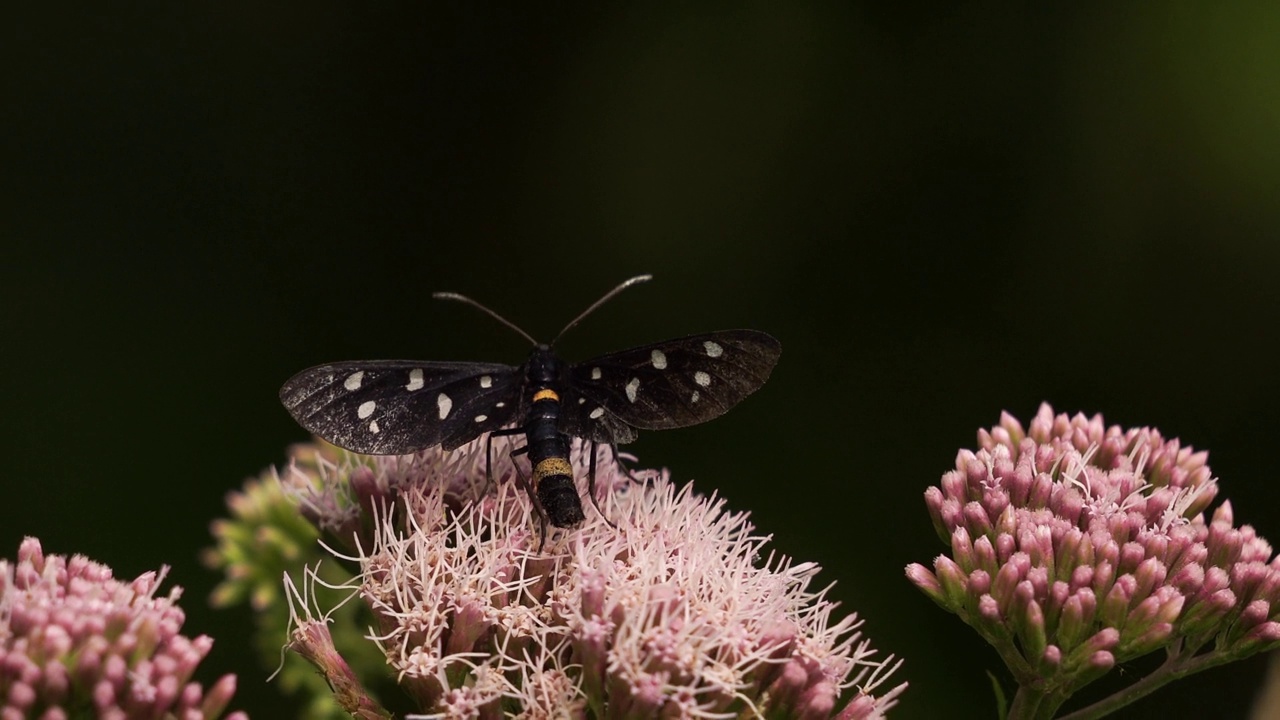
654,606
266,537
313,642
1076,546
75,640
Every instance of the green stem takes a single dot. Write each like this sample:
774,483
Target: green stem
1036,703
1026,704
1175,668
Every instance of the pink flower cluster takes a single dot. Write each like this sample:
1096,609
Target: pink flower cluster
74,640
669,613
1075,546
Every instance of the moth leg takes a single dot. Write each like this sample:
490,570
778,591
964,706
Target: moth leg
527,484
487,483
617,459
521,479
488,452
591,485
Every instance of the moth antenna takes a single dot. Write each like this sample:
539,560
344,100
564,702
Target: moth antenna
468,301
607,297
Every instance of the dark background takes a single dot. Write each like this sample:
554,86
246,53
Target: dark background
941,213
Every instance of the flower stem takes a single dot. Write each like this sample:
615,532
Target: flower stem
1175,668
1036,703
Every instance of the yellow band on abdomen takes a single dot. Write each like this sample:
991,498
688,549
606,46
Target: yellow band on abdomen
551,466
546,394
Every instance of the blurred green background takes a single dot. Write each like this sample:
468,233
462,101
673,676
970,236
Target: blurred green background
941,212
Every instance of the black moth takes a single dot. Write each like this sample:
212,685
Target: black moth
397,407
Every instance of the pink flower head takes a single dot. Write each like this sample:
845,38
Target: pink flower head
666,614
73,639
1076,546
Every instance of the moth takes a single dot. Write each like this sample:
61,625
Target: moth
398,407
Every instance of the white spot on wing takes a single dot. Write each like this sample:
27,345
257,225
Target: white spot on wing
702,378
353,380
445,404
415,380
595,373
632,388
481,418
501,404
659,359
694,397
486,381
595,414
373,427
366,409
581,400
713,349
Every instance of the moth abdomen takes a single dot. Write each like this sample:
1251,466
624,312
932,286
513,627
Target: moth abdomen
557,494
